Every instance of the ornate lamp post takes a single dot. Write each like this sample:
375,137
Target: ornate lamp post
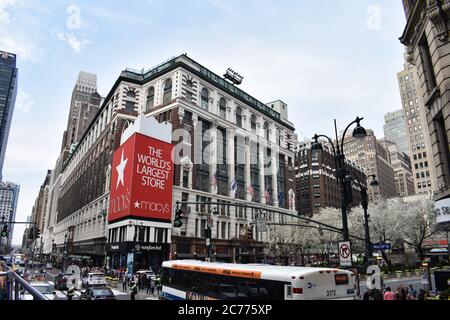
341,173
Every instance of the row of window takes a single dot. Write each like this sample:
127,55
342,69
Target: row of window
201,285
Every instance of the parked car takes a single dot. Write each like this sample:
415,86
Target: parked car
93,280
43,287
98,294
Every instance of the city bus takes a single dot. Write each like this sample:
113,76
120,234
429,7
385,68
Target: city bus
198,280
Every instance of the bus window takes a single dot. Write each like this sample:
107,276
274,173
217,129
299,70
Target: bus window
288,289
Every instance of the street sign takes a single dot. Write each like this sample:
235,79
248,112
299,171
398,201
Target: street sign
345,254
381,246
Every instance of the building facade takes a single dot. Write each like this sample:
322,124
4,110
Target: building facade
8,93
84,105
9,196
401,164
426,36
371,155
317,187
395,130
220,134
417,131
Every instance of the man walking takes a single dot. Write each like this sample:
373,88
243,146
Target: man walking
134,291
124,283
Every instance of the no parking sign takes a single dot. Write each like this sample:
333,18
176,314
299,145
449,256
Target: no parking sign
345,254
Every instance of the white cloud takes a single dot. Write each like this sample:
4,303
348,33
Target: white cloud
23,102
11,39
4,14
74,43
117,17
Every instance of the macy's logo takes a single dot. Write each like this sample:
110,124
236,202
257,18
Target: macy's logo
152,206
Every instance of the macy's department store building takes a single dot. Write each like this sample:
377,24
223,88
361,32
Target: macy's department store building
245,144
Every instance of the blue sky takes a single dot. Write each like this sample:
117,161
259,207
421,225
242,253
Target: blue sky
326,58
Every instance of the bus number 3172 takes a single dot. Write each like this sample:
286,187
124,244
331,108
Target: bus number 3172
331,293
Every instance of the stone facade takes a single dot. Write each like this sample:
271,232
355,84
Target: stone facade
426,36
417,132
371,155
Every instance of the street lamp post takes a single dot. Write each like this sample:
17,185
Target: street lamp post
365,205
65,252
1,231
341,173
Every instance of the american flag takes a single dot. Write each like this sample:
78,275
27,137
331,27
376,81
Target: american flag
251,190
214,179
234,186
267,195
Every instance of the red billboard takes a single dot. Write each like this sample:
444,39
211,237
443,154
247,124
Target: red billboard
142,180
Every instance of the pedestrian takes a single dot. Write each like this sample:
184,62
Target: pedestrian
140,281
401,293
71,293
158,285
413,292
389,295
368,295
134,291
124,284
152,286
377,295
421,295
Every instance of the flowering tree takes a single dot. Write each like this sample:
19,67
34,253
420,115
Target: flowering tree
420,224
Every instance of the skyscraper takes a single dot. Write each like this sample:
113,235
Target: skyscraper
8,92
9,195
371,155
417,131
395,130
84,106
401,163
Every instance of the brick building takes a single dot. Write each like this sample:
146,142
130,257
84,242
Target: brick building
317,187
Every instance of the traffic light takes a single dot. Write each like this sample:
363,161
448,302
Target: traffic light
4,233
38,233
249,233
348,189
178,223
208,233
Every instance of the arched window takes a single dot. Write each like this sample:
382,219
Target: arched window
253,123
150,99
239,117
167,91
205,99
266,130
223,108
131,94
